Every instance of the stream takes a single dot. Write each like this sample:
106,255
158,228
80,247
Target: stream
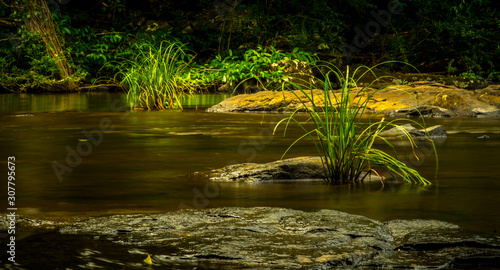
140,161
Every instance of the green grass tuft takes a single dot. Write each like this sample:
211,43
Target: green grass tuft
344,135
158,77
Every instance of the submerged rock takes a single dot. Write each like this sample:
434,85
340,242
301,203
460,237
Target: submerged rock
278,238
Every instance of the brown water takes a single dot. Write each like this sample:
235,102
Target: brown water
142,161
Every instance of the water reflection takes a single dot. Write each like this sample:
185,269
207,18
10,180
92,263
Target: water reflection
84,101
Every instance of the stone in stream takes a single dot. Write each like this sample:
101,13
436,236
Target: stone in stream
279,238
293,169
437,131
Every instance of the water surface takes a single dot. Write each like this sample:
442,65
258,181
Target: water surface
142,163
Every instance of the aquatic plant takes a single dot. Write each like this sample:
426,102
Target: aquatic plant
344,135
158,77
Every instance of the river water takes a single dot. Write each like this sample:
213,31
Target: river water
85,155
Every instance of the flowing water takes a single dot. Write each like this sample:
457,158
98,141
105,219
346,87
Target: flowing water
85,155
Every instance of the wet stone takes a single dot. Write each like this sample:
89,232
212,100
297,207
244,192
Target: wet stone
301,169
279,238
437,131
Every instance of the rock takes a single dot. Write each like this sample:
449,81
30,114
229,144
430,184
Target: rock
430,99
278,238
24,114
431,242
425,111
437,131
260,237
465,103
269,101
293,169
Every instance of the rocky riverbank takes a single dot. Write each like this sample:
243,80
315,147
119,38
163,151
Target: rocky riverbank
278,238
431,99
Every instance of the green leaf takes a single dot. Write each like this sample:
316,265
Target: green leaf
65,30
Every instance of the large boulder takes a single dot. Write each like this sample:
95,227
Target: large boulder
419,98
268,101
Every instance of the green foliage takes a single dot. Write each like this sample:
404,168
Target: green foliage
36,56
454,36
470,75
157,77
253,64
344,136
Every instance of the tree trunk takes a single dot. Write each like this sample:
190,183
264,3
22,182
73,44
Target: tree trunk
40,21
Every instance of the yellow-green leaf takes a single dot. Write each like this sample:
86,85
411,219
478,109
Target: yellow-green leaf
148,260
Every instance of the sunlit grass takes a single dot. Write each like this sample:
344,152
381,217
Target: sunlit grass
158,77
344,135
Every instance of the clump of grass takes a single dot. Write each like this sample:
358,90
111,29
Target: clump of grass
158,77
344,135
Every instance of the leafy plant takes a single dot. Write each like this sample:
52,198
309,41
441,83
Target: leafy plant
344,136
254,63
157,78
470,75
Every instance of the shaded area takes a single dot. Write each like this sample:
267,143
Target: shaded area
447,38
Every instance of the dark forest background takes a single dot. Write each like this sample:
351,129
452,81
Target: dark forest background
456,37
